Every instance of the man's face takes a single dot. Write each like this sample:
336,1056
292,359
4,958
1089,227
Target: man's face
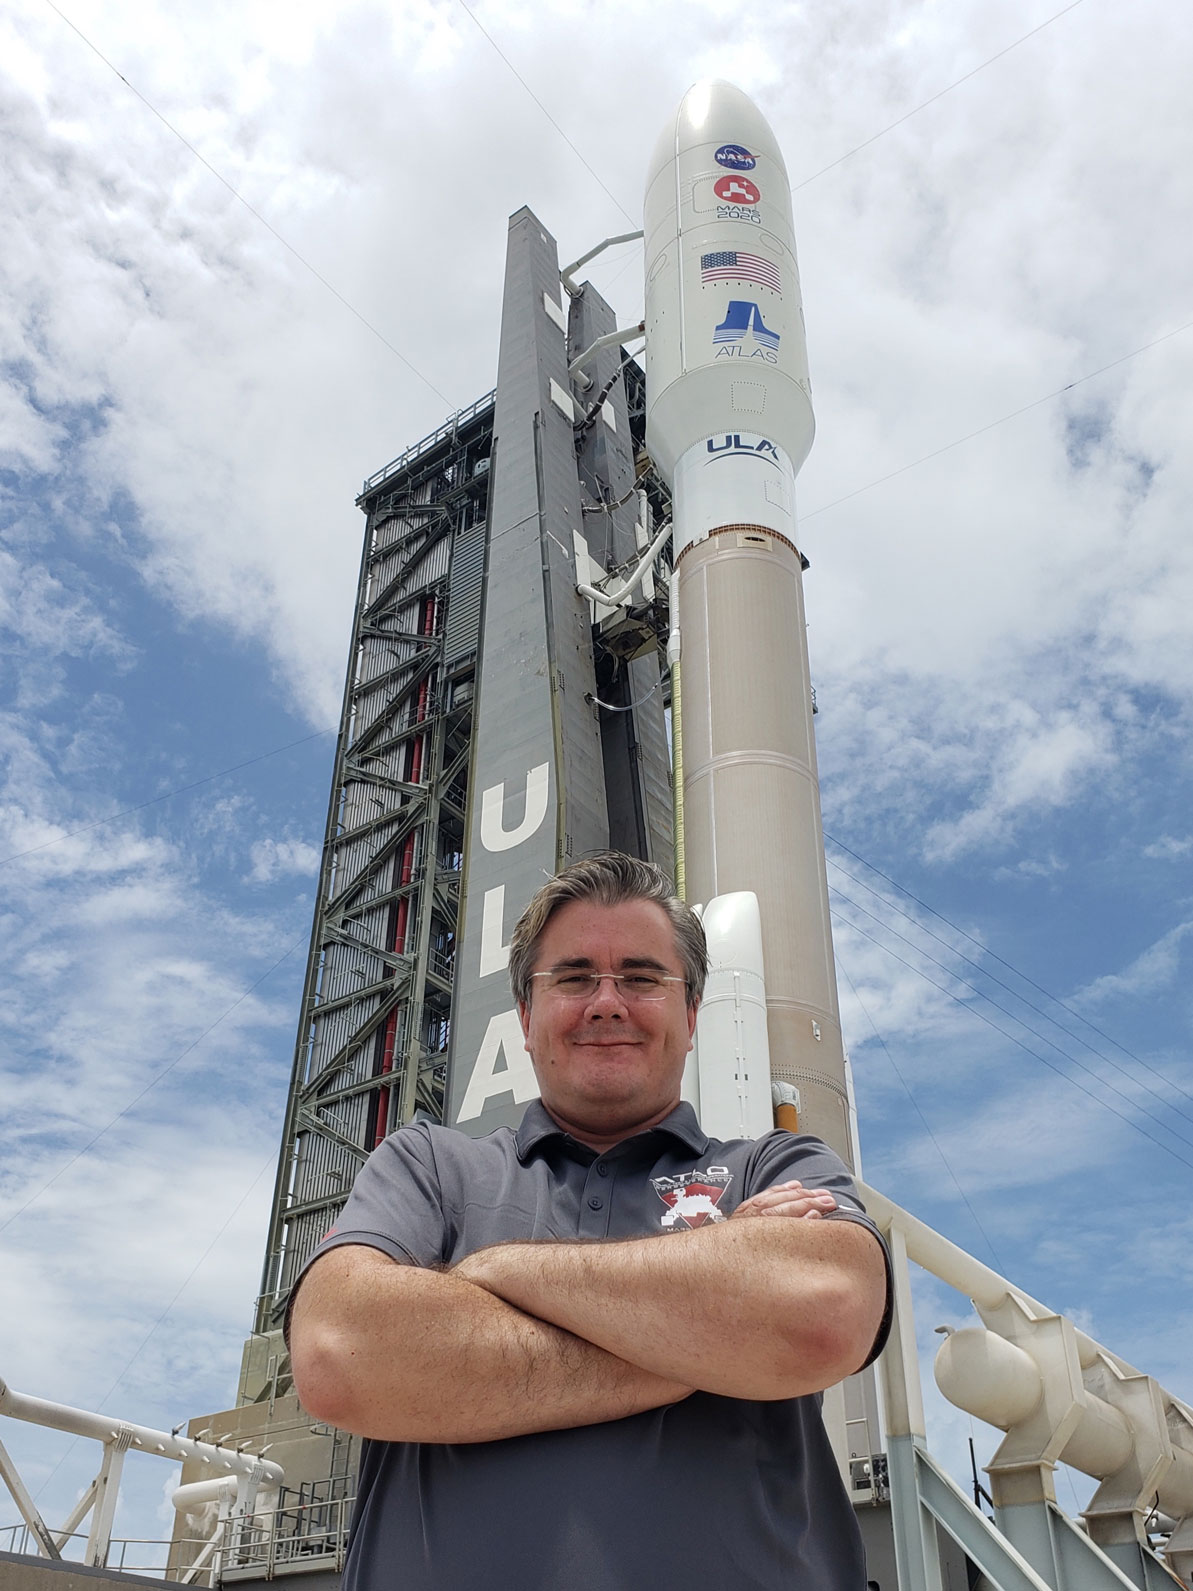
607,1067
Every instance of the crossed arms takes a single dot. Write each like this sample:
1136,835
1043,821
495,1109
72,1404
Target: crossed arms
538,1336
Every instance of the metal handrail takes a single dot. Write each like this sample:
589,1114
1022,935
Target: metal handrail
429,443
1061,1397
266,1542
21,1541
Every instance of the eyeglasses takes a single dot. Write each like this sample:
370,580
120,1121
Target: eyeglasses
634,987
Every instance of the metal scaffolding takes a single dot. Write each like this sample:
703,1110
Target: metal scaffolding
375,1018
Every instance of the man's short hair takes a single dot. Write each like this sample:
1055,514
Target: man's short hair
609,879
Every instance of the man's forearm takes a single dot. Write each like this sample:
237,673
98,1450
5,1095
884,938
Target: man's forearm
400,1354
755,1309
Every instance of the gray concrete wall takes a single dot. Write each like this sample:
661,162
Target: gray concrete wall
19,1573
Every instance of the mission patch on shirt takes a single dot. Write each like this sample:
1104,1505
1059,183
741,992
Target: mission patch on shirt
708,1491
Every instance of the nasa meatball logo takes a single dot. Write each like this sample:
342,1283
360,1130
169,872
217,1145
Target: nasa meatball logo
736,190
692,1197
734,158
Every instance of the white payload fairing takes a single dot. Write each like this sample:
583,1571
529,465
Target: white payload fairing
728,424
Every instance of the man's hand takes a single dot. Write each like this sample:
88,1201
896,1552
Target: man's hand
790,1199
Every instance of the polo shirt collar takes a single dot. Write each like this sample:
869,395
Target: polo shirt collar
537,1126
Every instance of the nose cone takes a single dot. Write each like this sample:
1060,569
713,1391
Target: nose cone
725,348
712,114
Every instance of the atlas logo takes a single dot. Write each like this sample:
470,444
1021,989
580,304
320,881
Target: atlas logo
692,1197
743,318
727,446
734,157
736,190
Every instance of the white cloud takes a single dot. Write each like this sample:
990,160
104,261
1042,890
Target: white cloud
1152,970
1034,867
1167,848
276,858
40,612
1027,1139
1038,766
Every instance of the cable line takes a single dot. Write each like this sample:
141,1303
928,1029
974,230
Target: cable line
136,1354
1043,1059
151,1084
916,1107
907,115
1043,1038
240,199
994,956
194,1271
547,113
1015,995
993,424
154,800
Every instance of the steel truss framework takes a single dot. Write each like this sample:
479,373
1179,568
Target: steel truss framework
375,1020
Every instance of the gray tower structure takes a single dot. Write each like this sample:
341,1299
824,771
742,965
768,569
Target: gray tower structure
554,776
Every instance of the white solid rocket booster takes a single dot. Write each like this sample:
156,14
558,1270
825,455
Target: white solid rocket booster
728,424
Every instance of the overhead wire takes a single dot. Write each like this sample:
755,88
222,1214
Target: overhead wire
98,823
144,1343
151,1084
857,148
915,1105
1003,962
932,99
824,507
509,64
240,199
1015,1039
992,425
1014,993
596,178
1035,1033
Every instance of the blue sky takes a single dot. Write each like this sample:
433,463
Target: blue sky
1000,633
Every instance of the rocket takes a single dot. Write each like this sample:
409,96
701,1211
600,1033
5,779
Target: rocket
728,424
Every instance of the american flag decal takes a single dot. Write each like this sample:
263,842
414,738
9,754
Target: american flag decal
731,265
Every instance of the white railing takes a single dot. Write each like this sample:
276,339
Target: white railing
237,1476
1060,1397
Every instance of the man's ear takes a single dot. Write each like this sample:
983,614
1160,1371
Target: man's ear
524,1018
693,1010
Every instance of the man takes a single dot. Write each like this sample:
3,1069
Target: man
567,1385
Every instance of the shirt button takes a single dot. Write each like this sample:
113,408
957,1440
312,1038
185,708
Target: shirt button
595,1202
602,1169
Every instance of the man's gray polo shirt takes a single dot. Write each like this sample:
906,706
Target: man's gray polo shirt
710,1491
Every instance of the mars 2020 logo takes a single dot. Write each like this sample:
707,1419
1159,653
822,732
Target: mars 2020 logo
737,190
692,1197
